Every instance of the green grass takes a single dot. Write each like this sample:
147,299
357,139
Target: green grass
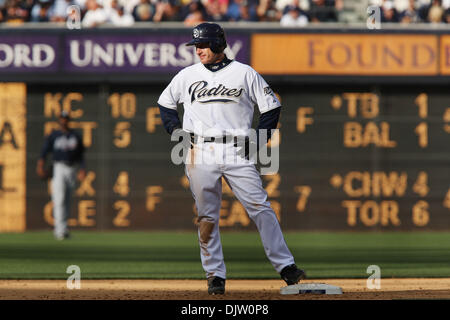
175,255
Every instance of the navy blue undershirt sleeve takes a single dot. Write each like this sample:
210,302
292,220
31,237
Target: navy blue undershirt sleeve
268,120
169,118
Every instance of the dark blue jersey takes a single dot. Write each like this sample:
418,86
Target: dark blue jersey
67,147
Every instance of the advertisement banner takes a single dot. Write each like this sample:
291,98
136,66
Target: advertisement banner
146,53
100,52
349,54
445,55
26,53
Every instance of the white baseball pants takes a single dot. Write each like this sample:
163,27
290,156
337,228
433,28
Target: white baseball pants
205,180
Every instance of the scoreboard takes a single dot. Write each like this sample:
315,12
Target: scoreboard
360,157
371,158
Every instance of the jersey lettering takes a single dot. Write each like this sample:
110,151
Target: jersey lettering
64,144
199,90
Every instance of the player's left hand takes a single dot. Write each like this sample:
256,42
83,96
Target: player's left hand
81,174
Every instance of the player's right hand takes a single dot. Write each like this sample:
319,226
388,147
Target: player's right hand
42,173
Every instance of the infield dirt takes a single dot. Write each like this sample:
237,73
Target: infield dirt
354,289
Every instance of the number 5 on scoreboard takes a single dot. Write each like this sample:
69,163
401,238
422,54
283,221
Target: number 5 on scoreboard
304,192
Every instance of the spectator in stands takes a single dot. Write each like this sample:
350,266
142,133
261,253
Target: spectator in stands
128,5
144,11
28,5
94,16
223,6
248,12
193,14
242,10
17,11
119,18
293,3
282,4
81,3
41,11
431,11
389,13
215,10
436,12
446,5
323,11
2,10
267,11
294,17
410,14
166,10
58,11
194,18
446,18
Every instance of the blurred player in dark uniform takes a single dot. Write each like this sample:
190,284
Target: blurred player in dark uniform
67,150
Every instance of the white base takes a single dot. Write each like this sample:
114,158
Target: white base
315,288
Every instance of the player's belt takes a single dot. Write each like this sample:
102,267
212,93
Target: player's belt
67,163
221,139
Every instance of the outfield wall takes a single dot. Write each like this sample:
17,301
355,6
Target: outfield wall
364,133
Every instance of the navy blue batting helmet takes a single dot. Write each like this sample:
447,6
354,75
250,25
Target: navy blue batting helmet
211,33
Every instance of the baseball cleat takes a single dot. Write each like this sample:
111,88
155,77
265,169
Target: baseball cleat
216,285
64,236
292,275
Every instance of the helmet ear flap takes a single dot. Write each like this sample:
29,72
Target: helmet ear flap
214,45
218,46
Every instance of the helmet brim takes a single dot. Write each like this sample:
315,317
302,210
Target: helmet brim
193,42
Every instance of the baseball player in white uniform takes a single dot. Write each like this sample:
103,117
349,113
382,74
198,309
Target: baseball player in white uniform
218,96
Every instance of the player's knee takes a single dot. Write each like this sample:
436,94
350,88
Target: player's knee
206,226
256,208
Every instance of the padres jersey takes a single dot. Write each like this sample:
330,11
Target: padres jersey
218,102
